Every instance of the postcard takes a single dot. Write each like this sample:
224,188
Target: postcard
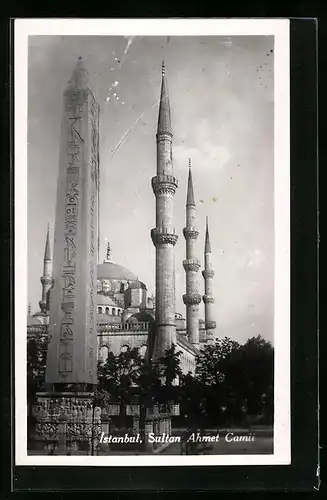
152,242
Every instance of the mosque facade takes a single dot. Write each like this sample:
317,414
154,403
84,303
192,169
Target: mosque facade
126,315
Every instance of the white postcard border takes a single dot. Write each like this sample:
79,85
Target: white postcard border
279,28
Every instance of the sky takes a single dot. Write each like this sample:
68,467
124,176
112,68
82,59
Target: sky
221,93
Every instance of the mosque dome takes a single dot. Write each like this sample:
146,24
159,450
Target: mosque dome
34,320
111,271
137,285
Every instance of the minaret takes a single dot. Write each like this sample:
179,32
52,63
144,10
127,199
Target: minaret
164,235
46,279
208,298
191,265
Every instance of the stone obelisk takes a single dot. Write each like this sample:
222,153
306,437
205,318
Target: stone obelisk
71,367
164,235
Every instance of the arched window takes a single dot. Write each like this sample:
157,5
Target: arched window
113,311
103,354
118,312
107,310
99,310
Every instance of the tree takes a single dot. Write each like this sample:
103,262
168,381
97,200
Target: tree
118,377
251,377
36,362
236,380
170,372
129,377
212,362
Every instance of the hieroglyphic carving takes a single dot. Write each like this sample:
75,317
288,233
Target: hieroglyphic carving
74,107
94,185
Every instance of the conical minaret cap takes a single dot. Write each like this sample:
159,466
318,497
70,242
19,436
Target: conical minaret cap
190,191
47,253
80,76
164,121
207,247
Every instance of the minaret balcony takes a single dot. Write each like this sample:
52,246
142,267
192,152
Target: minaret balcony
164,236
210,325
46,280
164,184
191,265
208,273
164,135
190,233
192,299
208,299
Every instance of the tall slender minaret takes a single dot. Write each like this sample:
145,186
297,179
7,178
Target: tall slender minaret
46,279
164,235
208,298
191,264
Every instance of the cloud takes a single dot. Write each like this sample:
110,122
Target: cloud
254,258
210,156
202,148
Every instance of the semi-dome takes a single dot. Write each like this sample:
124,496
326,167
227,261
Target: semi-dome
111,271
141,317
136,285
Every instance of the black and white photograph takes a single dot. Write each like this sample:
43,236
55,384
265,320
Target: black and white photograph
152,242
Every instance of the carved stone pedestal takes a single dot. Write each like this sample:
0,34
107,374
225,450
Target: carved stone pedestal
67,423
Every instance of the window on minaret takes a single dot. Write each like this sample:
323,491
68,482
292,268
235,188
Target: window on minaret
107,310
113,311
99,310
118,312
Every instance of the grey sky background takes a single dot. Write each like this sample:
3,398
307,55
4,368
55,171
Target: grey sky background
222,105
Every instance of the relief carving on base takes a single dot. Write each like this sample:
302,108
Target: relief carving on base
75,417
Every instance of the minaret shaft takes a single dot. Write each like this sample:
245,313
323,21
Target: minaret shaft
191,265
164,235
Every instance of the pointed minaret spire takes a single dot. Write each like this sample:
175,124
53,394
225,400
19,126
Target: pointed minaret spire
208,297
164,121
107,251
207,246
46,279
190,192
191,264
80,77
47,253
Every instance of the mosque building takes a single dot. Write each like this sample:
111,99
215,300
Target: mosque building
126,315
